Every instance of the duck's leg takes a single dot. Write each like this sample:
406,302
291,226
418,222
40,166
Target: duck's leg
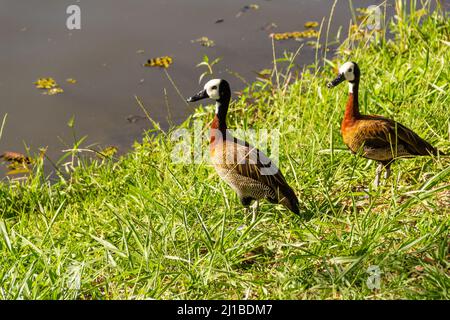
376,182
255,208
387,173
247,203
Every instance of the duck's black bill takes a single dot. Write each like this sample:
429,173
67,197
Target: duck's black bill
199,96
340,78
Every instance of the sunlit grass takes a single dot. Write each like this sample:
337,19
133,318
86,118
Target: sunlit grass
145,227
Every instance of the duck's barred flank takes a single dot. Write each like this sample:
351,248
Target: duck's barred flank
245,176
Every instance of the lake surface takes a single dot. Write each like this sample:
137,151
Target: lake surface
106,59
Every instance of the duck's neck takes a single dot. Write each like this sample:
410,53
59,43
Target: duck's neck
219,124
352,108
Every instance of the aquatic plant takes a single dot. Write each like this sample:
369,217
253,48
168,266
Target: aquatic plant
161,62
310,33
49,85
209,66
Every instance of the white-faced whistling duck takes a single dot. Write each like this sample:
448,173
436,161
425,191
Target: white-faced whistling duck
243,167
376,137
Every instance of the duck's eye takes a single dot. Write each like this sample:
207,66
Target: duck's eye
214,88
350,70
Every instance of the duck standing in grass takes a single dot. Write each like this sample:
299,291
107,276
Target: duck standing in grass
244,168
375,137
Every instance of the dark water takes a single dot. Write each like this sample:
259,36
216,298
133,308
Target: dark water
103,57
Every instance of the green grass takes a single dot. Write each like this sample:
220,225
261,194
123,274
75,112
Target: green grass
144,227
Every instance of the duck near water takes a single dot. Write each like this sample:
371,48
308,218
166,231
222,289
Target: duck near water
244,168
375,137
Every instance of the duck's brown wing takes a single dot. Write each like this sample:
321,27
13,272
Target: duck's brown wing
380,132
251,163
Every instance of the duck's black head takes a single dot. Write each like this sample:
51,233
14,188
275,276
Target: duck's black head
348,71
217,89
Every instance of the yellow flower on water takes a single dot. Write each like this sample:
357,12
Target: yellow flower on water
310,33
311,24
162,62
49,84
45,83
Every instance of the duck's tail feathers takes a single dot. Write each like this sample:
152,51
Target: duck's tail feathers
437,152
289,200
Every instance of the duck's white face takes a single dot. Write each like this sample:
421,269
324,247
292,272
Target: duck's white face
348,70
212,89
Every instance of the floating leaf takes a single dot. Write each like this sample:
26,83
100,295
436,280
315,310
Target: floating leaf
50,85
204,41
162,62
54,91
310,33
71,80
219,21
311,24
18,163
140,51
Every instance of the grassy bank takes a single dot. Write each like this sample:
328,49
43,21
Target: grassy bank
144,227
